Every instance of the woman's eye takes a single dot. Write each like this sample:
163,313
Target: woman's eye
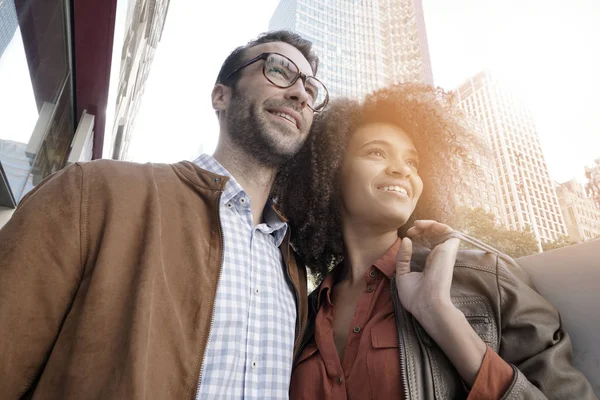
376,153
413,163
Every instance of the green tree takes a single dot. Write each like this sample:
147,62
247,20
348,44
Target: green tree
481,224
561,241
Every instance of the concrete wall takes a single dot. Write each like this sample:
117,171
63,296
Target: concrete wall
570,279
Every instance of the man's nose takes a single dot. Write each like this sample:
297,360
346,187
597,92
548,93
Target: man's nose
297,92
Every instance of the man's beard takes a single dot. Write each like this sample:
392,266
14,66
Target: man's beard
264,142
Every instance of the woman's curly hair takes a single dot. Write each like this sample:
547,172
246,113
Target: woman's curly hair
307,188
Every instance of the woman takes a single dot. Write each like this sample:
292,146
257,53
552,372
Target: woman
389,320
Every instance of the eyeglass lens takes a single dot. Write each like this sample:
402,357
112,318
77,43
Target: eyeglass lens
281,71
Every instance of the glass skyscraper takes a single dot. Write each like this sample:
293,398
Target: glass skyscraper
363,45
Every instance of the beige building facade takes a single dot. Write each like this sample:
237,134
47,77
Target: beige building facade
582,217
144,27
526,194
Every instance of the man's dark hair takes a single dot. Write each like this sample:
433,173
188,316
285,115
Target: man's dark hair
237,56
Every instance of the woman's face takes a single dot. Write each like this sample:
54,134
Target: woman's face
380,184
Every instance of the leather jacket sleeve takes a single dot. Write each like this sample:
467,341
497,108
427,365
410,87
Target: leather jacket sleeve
534,343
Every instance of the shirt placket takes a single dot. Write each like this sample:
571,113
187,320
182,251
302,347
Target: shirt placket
361,316
248,258
253,359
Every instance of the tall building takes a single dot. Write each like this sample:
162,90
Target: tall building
592,173
582,217
480,188
526,192
362,45
144,28
8,23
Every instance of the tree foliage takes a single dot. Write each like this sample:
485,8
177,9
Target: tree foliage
481,224
561,241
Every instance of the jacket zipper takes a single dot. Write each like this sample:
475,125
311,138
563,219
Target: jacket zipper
305,342
297,356
212,318
399,312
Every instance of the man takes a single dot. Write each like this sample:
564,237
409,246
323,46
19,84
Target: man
127,281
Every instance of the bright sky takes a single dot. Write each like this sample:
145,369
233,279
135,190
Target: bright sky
18,110
549,49
176,120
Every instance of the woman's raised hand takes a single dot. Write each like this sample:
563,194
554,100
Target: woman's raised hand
426,294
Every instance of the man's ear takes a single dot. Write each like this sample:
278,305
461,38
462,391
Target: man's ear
221,96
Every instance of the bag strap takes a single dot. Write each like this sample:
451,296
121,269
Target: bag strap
467,239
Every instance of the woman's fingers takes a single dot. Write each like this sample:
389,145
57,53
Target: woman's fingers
440,263
403,257
433,227
428,228
413,231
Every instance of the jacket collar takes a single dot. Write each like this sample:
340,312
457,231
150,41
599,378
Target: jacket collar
232,187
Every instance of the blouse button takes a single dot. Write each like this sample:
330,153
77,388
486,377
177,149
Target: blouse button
356,329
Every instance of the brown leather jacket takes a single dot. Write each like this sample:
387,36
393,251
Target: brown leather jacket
108,274
500,303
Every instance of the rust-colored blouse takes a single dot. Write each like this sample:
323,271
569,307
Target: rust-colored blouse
370,367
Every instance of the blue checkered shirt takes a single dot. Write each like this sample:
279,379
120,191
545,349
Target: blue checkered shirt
251,342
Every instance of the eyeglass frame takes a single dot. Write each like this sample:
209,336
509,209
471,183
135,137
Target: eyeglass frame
299,74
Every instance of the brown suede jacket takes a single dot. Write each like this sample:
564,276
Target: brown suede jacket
108,275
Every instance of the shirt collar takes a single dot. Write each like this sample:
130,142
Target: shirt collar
276,223
386,264
326,285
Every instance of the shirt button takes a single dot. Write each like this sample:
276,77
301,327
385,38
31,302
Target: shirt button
372,273
256,291
253,364
243,200
229,205
370,289
356,329
340,380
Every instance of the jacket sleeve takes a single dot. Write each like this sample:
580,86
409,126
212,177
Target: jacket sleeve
534,343
41,262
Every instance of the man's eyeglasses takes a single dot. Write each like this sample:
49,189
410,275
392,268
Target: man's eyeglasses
283,72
